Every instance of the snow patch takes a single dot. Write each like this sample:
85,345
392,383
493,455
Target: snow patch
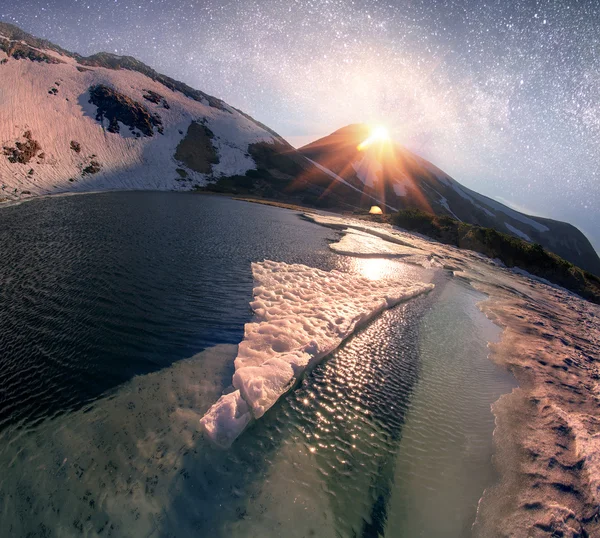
226,419
518,232
443,201
512,213
399,188
441,176
371,243
497,206
486,211
466,196
302,315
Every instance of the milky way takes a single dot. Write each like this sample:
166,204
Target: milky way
504,96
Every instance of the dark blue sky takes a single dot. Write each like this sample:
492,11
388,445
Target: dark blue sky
504,96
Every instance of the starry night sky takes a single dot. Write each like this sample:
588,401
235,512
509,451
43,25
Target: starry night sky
503,95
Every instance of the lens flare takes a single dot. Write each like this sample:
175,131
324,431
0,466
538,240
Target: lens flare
378,134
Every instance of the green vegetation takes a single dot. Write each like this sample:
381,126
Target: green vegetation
276,167
232,185
275,156
513,252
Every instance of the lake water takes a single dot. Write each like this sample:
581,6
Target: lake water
119,315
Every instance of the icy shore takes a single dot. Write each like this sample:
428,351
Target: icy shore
547,433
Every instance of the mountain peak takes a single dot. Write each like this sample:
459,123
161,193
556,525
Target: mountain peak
365,158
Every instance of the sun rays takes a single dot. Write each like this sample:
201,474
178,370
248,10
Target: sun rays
361,166
379,134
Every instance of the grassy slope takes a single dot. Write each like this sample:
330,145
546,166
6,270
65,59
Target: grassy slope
511,251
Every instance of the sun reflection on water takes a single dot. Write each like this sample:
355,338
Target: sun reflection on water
384,268
377,268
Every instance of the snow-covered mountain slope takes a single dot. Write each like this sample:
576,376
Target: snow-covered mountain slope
69,123
400,179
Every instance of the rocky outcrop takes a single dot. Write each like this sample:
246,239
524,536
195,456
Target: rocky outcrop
92,168
116,107
113,61
26,46
22,51
23,151
156,98
85,101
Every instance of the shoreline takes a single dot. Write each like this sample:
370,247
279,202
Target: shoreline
262,201
546,477
547,430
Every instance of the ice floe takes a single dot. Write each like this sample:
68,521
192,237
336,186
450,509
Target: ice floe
359,243
371,241
301,315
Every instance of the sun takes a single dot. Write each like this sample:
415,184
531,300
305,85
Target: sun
378,133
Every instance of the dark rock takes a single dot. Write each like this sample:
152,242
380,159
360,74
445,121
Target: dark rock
112,61
153,97
14,33
156,98
75,146
116,107
16,36
23,152
113,125
22,51
92,168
